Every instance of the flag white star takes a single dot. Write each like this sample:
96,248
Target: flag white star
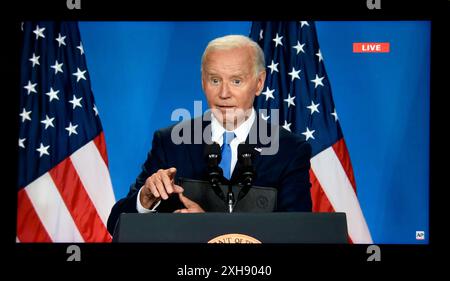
302,23
299,47
317,81
95,110
60,40
57,67
309,134
48,122
53,94
39,32
72,129
294,74
76,102
319,54
31,87
21,26
79,74
25,115
261,34
21,144
287,125
81,48
265,118
43,150
334,113
277,40
313,107
35,60
290,100
273,67
268,93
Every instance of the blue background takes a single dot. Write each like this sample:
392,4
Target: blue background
142,71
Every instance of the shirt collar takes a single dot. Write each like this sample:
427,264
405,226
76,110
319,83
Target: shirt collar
241,132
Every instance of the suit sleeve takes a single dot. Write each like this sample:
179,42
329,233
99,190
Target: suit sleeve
156,160
295,194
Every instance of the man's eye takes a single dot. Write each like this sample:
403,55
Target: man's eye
215,81
237,81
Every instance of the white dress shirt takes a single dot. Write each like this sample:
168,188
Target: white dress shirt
217,131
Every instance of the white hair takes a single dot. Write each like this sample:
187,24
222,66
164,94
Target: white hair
237,41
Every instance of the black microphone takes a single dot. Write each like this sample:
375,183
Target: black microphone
247,172
245,156
213,157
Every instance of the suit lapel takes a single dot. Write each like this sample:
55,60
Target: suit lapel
196,150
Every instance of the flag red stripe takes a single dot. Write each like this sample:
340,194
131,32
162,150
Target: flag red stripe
340,148
101,146
29,225
78,202
319,198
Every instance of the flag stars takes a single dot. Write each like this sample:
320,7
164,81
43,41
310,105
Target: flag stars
334,113
79,74
80,47
60,40
319,54
309,134
317,81
52,94
72,129
303,23
21,142
31,87
299,47
277,40
261,34
25,115
313,107
294,74
57,67
43,150
273,67
290,100
48,122
287,126
268,93
39,32
35,60
95,110
76,102
265,118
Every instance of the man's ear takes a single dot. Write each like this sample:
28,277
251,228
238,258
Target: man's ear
203,82
260,85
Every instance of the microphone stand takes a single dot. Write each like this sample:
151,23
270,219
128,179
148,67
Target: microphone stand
230,198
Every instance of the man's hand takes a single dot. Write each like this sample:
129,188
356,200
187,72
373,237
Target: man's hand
191,206
159,186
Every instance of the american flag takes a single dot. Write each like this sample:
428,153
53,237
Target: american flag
297,85
64,188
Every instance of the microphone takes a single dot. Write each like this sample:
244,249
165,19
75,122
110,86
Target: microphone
247,172
245,156
213,157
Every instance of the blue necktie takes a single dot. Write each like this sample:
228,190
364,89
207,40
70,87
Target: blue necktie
225,163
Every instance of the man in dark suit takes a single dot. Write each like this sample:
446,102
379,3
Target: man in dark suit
233,73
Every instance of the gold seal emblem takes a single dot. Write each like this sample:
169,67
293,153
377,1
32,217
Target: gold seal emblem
234,238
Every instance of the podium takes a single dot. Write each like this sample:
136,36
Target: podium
276,227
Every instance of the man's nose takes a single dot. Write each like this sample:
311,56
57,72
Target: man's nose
225,91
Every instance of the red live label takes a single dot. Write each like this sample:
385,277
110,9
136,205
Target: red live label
372,47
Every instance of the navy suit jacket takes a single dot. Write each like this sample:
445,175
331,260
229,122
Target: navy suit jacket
287,170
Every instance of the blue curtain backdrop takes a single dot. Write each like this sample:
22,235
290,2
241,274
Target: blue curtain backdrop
142,71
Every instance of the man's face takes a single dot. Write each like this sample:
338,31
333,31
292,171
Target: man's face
230,84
